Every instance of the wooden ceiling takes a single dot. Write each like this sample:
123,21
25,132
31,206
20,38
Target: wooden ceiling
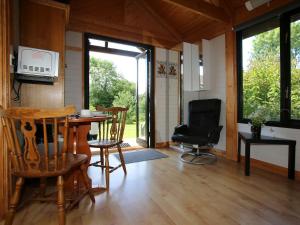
163,23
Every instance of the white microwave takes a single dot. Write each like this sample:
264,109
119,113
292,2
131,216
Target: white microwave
37,64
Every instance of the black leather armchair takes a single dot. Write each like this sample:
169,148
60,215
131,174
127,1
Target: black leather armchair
202,130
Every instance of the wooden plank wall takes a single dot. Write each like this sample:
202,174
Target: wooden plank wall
42,25
231,96
4,97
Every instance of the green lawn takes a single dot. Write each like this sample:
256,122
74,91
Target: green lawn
130,131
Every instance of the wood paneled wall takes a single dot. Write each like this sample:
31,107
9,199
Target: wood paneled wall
4,97
42,25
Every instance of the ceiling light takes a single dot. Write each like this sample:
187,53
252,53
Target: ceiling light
252,4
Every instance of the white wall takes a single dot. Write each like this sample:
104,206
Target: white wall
186,98
73,70
214,64
166,97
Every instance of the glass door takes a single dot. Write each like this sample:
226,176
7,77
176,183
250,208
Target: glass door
142,93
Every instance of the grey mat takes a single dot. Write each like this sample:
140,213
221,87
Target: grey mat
123,145
141,155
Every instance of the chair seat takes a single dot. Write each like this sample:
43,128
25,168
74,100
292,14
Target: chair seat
196,140
72,161
103,143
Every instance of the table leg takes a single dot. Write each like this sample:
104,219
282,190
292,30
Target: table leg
247,159
291,166
239,149
78,144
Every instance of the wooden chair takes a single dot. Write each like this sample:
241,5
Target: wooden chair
32,160
110,136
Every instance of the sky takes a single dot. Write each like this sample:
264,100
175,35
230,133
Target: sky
247,49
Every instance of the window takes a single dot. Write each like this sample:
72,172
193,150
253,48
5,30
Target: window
96,42
123,47
295,67
269,70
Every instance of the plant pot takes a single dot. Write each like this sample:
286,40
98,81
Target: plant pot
256,131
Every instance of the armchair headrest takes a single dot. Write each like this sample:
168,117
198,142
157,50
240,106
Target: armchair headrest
204,114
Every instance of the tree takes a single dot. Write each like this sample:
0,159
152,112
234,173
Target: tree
103,80
142,108
126,99
108,88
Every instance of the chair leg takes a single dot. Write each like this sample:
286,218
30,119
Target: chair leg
14,202
122,159
106,168
101,158
43,186
86,182
61,201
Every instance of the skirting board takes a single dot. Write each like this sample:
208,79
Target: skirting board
162,144
270,167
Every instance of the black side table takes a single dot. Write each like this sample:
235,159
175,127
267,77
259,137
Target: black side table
248,140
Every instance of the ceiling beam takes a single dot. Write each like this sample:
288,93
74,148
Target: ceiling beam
159,19
202,8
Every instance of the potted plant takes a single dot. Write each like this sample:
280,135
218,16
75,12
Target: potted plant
258,118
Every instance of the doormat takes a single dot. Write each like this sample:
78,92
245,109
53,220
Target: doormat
141,155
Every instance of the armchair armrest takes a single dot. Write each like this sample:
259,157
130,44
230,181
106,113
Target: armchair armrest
181,129
214,135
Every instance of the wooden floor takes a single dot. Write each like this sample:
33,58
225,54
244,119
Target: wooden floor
166,191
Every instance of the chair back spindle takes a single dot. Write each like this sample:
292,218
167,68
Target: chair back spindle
113,129
116,125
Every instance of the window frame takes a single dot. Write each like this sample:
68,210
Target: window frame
285,72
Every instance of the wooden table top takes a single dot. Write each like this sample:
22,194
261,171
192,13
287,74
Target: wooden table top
265,139
79,119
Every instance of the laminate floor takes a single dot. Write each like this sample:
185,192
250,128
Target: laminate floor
167,191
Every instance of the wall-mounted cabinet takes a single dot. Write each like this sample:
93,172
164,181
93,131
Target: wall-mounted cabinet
195,78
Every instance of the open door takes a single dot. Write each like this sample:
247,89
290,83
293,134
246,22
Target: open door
142,96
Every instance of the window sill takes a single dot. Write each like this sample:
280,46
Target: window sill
294,124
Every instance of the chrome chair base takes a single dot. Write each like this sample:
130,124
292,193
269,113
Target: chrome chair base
198,157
